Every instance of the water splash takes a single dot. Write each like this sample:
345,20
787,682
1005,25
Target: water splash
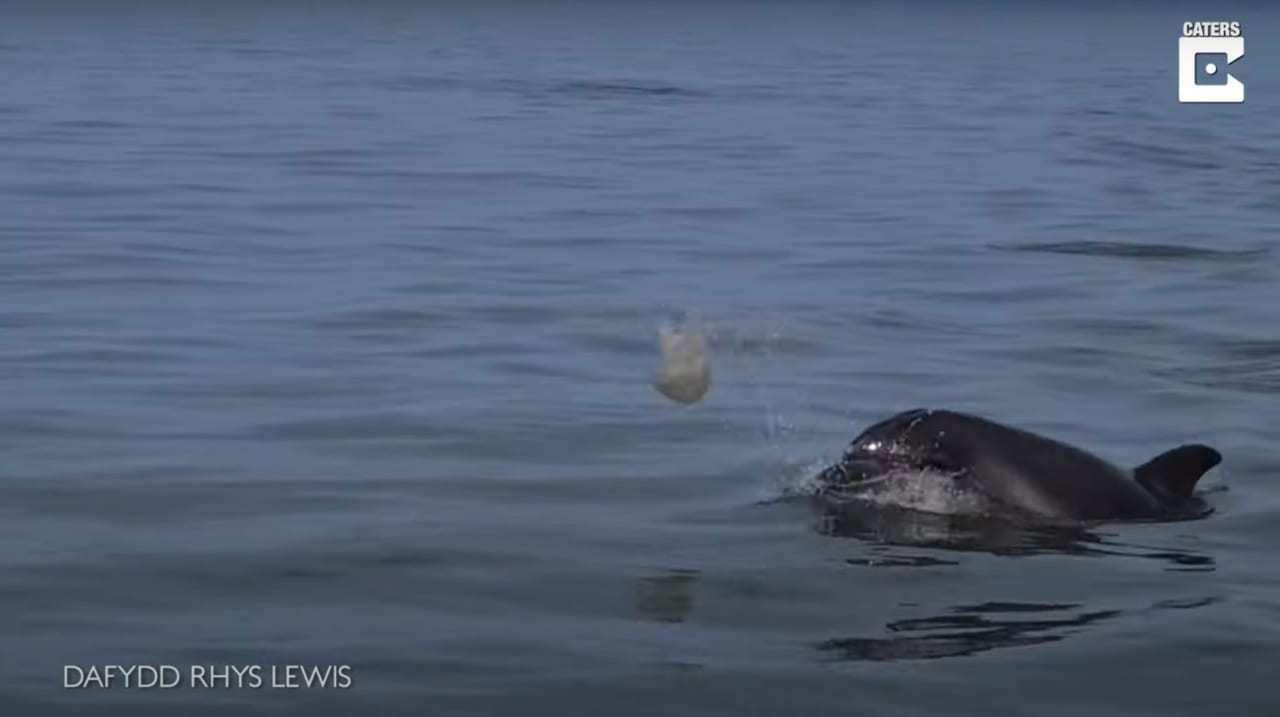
749,357
924,490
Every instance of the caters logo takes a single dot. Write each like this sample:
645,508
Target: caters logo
1206,51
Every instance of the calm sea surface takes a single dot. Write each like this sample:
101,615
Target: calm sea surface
327,333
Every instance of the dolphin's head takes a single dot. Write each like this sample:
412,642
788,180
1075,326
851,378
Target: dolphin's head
898,443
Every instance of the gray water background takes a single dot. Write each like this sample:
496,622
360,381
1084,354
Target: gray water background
328,331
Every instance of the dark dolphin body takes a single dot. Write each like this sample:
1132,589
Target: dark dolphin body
1020,472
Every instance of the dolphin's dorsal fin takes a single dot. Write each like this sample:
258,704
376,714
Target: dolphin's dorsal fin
1172,475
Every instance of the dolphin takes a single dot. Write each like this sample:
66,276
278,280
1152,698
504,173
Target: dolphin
1009,471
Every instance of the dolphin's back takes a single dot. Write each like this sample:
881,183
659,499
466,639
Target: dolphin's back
1038,474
